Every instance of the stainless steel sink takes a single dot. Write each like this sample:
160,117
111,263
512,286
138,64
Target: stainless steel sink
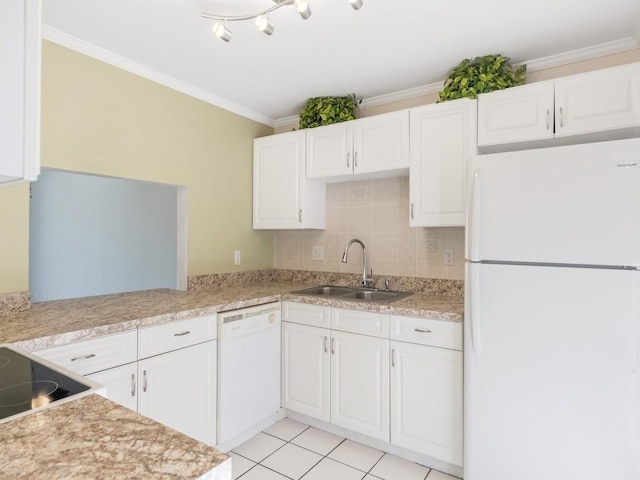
377,295
326,291
354,293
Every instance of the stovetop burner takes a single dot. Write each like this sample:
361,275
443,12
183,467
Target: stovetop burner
27,383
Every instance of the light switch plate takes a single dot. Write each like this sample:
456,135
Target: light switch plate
448,256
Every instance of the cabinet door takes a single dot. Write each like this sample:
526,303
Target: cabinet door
178,389
19,90
598,101
330,150
278,181
305,370
360,384
121,384
381,143
443,136
516,114
426,400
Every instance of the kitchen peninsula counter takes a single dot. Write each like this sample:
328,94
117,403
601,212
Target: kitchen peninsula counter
94,438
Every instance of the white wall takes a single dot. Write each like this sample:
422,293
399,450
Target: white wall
94,235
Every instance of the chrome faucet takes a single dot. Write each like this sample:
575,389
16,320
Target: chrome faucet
366,281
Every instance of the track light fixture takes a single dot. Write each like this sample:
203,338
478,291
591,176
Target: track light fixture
263,24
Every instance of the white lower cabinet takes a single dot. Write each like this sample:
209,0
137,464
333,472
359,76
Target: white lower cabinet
178,389
394,379
173,380
305,370
360,384
426,400
121,384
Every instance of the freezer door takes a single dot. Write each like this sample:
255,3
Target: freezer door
552,387
572,205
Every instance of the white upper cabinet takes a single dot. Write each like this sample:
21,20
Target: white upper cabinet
443,136
598,105
19,90
372,145
516,114
282,197
598,101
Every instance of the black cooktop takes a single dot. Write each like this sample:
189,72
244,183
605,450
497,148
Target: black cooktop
26,384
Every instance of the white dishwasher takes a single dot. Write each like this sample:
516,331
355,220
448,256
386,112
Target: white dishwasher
248,371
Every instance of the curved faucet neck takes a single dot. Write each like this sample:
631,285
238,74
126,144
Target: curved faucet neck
365,280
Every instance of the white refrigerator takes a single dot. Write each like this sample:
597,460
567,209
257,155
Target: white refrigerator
552,322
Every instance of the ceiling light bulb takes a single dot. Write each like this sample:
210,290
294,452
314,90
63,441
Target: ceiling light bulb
356,4
303,8
264,25
221,31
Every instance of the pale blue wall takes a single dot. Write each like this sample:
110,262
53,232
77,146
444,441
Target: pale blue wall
92,235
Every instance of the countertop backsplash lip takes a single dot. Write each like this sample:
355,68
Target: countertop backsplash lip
60,322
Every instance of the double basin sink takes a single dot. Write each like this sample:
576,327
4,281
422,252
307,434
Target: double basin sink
354,293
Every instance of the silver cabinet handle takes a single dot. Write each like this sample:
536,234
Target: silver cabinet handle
561,118
420,330
133,384
412,207
144,380
548,116
393,357
325,344
181,334
355,159
85,357
299,215
333,346
348,157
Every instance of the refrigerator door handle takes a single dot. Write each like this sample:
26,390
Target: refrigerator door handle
474,310
474,211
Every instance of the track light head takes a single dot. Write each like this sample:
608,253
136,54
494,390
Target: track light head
221,31
356,4
264,25
303,8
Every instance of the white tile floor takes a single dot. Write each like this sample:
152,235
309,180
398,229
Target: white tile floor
291,450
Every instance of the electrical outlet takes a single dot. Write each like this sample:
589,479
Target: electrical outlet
317,253
448,256
236,257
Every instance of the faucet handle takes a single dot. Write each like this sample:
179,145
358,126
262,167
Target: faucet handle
369,279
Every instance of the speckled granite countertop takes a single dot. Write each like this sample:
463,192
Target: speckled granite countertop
94,438
60,322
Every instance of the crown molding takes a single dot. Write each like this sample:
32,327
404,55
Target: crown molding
583,54
111,58
136,68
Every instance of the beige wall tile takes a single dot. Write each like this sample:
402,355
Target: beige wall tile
377,213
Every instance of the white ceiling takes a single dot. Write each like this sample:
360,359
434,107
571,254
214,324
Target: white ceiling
387,46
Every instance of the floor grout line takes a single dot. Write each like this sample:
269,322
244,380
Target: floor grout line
322,457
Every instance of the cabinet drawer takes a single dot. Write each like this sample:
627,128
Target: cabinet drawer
365,323
306,314
172,336
97,354
437,333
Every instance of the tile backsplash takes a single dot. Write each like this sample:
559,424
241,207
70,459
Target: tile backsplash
376,212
